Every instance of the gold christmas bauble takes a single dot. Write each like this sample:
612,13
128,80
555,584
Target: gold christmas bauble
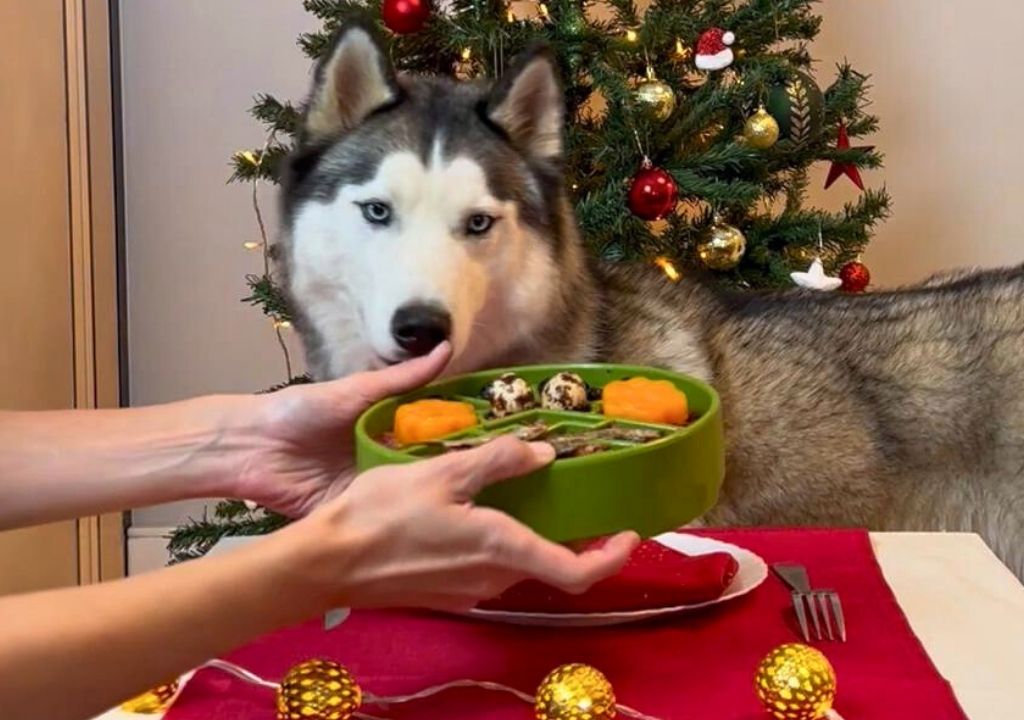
761,130
721,246
656,96
318,690
152,702
796,682
575,692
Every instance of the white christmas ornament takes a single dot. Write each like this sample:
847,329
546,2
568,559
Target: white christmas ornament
815,278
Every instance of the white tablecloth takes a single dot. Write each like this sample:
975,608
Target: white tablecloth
964,605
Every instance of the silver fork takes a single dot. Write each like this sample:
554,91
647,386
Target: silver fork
821,605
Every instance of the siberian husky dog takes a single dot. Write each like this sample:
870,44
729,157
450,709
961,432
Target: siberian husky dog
420,209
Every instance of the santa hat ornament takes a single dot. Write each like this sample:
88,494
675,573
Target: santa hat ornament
713,51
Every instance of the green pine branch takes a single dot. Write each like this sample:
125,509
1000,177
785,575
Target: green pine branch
231,518
259,164
265,294
277,116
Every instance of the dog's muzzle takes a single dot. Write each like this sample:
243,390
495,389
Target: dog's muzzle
420,327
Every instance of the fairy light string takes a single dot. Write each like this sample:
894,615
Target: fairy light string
256,160
793,680
383,701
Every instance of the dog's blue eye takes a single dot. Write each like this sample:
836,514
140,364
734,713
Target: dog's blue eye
376,213
479,224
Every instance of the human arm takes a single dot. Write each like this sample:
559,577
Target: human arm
288,450
399,536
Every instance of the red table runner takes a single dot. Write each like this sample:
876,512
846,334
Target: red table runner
698,665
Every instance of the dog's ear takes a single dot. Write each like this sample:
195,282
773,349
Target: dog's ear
528,105
352,80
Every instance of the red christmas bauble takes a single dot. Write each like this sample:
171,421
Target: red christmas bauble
652,193
405,16
855,277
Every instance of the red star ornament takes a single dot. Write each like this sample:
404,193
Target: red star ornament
847,169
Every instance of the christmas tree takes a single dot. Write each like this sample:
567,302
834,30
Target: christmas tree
692,125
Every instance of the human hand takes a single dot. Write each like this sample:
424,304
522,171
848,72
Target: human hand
410,536
297,450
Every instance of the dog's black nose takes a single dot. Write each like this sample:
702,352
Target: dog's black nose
420,327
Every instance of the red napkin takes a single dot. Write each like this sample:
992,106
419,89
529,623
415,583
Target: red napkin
654,577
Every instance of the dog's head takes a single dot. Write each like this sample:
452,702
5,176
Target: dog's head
420,209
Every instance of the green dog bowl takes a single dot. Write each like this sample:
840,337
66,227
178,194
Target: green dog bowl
650,488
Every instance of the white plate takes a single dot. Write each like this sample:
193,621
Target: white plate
752,572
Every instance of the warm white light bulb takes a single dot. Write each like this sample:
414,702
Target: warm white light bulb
668,268
249,156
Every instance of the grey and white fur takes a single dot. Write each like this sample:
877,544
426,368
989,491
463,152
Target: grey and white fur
418,209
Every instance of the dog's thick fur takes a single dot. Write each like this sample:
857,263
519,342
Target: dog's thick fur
892,410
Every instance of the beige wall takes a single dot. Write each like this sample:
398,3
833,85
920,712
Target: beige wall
189,71
946,85
947,76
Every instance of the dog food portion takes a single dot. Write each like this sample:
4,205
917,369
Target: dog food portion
644,400
527,433
508,395
565,391
425,420
590,442
566,445
639,399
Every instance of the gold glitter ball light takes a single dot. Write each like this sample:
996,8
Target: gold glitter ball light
796,682
152,702
761,131
318,690
575,692
657,97
721,246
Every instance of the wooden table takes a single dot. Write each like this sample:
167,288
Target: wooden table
964,605
968,610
